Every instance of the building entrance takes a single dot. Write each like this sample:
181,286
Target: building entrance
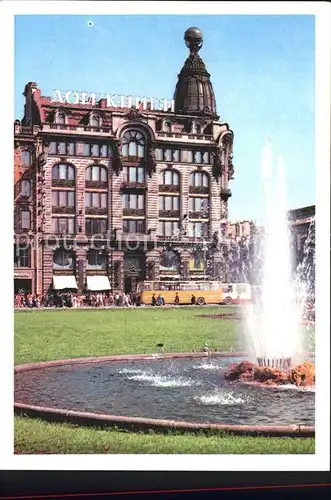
134,271
25,285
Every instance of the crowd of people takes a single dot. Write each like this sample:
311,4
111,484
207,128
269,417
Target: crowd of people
87,299
75,300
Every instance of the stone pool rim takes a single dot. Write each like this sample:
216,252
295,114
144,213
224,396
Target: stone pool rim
148,424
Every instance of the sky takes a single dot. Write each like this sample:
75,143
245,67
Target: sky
261,66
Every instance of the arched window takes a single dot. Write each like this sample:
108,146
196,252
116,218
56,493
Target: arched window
197,128
26,158
199,179
25,188
95,121
63,172
169,261
96,173
133,144
169,178
60,118
96,260
63,259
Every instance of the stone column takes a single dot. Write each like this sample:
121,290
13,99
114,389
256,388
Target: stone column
81,267
152,265
185,264
118,271
47,267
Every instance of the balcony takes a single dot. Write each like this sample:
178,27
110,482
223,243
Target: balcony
133,185
198,190
198,215
63,210
173,214
168,188
96,185
96,211
133,212
76,129
63,183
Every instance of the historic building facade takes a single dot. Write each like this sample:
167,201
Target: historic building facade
108,196
300,220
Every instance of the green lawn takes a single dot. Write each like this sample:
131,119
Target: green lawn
46,335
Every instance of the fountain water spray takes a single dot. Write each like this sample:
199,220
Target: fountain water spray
274,321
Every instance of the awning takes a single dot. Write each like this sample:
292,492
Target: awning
62,282
98,283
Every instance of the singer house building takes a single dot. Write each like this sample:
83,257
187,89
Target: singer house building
106,197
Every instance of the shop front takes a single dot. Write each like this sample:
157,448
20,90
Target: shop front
23,282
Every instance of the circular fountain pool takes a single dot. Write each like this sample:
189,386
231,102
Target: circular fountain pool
191,390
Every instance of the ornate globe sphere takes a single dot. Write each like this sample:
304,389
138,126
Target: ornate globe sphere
193,35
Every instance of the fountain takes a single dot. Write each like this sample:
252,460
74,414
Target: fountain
273,329
194,391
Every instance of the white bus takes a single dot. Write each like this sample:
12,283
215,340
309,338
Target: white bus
236,293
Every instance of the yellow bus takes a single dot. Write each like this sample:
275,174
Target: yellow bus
202,292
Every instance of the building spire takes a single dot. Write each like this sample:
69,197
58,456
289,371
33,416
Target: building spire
194,94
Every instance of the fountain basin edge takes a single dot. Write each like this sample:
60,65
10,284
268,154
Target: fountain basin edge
148,424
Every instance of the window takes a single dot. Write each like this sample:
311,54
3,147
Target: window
167,126
170,155
133,174
96,226
175,155
169,177
197,204
62,225
135,201
71,149
197,229
133,226
21,256
53,148
196,262
169,261
61,118
197,157
199,179
96,173
25,188
63,148
26,158
95,150
105,151
189,156
95,200
133,144
25,219
63,259
62,171
197,128
169,203
63,198
168,228
86,149
206,157
97,260
95,121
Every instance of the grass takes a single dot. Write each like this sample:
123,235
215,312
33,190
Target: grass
33,436
47,335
